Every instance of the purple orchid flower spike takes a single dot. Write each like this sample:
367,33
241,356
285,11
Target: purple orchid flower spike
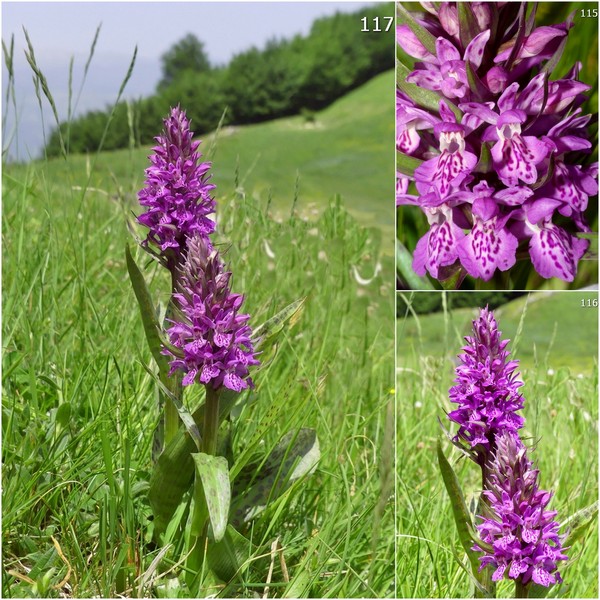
210,340
519,535
486,390
176,191
500,149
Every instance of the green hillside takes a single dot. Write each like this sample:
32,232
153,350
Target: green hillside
559,330
346,149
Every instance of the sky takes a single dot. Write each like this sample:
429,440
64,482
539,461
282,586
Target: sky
61,30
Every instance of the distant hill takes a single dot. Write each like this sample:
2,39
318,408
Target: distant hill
346,149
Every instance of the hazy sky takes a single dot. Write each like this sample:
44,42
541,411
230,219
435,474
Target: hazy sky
61,30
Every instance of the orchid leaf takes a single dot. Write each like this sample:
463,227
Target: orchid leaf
475,84
577,524
407,164
173,473
152,328
184,414
464,525
425,37
294,457
406,272
519,39
269,329
212,472
462,518
452,276
228,557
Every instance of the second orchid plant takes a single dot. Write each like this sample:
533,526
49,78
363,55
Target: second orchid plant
493,145
204,342
513,534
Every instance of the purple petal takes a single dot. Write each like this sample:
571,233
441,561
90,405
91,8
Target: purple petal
409,42
555,253
446,51
476,48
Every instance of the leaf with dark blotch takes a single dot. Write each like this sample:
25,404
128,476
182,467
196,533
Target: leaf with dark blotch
228,557
212,472
295,456
578,523
173,473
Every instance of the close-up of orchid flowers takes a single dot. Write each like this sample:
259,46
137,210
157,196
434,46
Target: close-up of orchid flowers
496,146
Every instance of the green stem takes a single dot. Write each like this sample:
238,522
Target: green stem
521,591
171,415
211,421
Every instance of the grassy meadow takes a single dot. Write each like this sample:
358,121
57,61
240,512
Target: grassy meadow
79,408
556,341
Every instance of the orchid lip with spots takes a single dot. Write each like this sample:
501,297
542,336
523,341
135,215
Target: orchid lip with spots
493,142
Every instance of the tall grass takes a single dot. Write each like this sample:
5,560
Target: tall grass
561,415
79,407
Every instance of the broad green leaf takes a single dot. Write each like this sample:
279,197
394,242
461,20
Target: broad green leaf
577,524
404,268
295,456
275,324
407,164
485,587
152,328
425,37
213,473
173,473
228,559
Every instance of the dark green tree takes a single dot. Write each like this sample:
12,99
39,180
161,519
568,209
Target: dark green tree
186,55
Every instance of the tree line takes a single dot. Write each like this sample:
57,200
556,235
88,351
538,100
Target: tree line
286,77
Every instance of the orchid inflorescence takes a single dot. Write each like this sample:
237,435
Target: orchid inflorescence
518,536
209,341
497,150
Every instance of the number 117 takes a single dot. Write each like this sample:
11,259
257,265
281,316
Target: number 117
376,27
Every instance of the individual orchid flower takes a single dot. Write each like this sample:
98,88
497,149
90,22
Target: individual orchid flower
447,171
438,247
